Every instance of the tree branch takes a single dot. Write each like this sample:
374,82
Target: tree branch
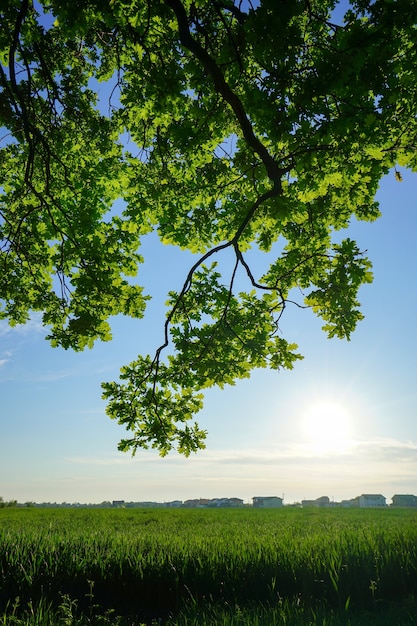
274,172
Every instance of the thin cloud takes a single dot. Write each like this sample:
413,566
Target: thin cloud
383,448
53,376
33,326
98,461
5,357
387,451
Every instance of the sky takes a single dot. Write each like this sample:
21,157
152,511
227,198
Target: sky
341,423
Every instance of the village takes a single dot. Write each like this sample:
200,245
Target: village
363,501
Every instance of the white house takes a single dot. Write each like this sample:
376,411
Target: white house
372,500
267,502
323,501
406,500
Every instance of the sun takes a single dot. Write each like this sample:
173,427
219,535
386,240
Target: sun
326,425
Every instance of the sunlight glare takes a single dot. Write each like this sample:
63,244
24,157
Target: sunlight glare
327,425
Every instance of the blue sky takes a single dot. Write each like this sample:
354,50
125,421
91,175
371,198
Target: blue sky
342,423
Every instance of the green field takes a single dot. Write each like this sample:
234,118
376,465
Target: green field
202,566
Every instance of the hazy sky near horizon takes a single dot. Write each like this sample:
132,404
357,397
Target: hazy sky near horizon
342,423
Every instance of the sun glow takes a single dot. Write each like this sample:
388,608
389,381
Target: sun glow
326,425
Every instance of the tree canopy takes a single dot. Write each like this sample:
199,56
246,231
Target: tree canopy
263,124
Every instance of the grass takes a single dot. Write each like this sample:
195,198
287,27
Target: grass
230,567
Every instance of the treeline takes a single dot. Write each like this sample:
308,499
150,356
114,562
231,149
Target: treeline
8,503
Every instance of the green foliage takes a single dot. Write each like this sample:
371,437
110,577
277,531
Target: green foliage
257,125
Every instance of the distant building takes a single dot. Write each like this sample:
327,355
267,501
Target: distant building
367,500
205,503
323,501
215,502
225,502
119,504
235,502
192,503
267,502
404,500
202,503
307,503
347,504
